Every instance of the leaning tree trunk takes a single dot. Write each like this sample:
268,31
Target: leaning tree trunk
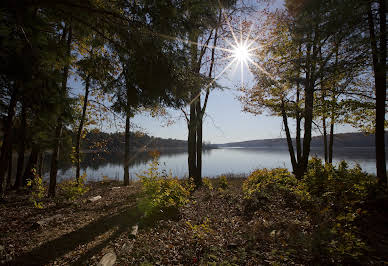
7,138
21,148
289,139
80,128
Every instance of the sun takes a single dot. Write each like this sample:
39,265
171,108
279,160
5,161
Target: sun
241,53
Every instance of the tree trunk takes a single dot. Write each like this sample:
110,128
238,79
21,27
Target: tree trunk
80,128
289,140
21,148
7,138
199,143
126,149
58,129
40,164
298,121
331,139
308,119
192,144
32,163
55,159
9,174
379,68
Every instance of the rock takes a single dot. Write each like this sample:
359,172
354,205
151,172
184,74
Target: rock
114,188
45,221
93,199
1,248
108,260
134,231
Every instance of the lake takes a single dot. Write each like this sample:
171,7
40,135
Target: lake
215,162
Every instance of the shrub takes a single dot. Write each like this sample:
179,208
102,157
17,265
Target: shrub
199,231
223,183
161,192
37,188
71,190
207,183
264,181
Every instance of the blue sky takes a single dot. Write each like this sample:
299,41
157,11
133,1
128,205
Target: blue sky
224,122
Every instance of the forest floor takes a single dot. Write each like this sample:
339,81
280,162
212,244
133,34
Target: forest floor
214,228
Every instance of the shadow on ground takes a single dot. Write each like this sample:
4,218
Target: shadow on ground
49,251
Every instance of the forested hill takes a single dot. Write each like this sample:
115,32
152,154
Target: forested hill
114,142
340,140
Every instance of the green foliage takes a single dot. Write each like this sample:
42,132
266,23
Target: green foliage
37,188
265,181
336,196
199,231
223,183
207,183
71,190
161,192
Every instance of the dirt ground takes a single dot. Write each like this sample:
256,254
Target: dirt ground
213,229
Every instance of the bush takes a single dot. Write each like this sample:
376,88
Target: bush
207,183
263,182
335,195
70,190
161,192
37,188
223,183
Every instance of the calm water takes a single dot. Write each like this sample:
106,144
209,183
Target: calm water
215,162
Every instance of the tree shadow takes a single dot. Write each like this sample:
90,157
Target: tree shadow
51,250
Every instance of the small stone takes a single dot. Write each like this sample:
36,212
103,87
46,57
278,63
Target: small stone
114,188
108,260
93,199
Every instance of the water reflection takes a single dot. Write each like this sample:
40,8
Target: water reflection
215,161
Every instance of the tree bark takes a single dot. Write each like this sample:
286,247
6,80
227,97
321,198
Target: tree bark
379,68
289,139
58,129
7,138
55,159
9,172
127,148
199,143
21,148
32,163
80,128
331,139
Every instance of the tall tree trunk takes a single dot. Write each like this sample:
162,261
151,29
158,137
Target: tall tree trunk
55,159
298,129
308,119
40,164
58,129
331,138
80,128
127,148
199,143
379,57
192,144
32,163
9,174
21,148
289,139
7,138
